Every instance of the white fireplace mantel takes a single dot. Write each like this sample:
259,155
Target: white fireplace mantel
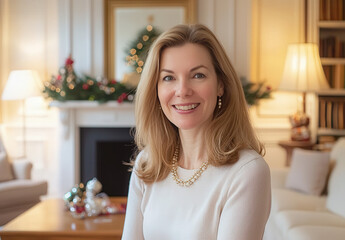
74,115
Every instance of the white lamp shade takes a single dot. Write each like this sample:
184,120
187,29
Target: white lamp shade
303,71
22,84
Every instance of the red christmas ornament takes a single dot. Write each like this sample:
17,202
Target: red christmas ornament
113,81
122,97
85,86
69,61
58,77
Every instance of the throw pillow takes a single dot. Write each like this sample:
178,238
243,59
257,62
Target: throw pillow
336,189
308,171
5,168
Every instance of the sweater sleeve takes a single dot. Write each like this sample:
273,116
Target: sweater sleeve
133,226
247,207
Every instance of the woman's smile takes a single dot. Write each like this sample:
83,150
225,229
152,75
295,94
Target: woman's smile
186,107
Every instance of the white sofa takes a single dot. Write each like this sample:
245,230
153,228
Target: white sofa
18,192
300,216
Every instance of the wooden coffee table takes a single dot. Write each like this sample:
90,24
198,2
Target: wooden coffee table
50,221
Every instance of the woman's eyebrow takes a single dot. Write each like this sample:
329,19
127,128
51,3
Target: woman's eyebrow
166,70
197,67
193,69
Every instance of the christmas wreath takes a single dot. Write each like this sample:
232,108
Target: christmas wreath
139,48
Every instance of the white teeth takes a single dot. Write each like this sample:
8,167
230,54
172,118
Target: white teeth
186,107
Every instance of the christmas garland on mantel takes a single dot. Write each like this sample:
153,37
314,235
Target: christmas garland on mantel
68,86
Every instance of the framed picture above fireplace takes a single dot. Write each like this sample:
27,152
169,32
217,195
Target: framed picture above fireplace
124,19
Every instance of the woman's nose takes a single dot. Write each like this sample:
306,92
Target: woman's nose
183,88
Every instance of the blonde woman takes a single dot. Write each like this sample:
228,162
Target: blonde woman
200,172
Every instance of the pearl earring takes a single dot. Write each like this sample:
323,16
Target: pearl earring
220,102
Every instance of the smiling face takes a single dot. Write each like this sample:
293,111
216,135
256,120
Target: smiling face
188,86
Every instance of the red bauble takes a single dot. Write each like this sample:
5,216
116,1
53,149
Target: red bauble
122,97
85,86
69,61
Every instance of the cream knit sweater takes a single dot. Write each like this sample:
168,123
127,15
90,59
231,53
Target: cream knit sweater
230,202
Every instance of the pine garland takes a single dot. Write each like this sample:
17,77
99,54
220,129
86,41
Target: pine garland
68,86
253,92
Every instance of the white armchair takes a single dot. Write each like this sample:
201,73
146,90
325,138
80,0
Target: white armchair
18,192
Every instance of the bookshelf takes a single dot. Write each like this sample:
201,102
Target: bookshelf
331,40
330,36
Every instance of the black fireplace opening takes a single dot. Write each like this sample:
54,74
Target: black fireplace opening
105,154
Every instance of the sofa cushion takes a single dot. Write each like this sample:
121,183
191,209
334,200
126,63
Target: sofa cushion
17,192
316,233
336,187
22,168
308,172
5,167
285,199
338,149
289,219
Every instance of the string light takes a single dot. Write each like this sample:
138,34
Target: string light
149,28
69,79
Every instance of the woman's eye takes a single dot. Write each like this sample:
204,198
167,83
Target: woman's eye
199,75
168,78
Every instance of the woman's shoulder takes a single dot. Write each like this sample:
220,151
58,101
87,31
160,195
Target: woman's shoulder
249,161
249,155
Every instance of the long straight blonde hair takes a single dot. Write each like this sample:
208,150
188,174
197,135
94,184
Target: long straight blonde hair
230,129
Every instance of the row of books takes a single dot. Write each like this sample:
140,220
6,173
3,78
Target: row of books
332,47
332,10
335,75
332,112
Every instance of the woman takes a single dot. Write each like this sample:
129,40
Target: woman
200,173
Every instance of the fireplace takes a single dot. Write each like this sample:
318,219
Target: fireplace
78,120
105,154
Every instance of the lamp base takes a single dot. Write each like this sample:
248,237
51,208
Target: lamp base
300,127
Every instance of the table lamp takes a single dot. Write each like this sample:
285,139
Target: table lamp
302,73
22,84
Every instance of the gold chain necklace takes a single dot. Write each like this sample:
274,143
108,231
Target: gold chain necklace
193,178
